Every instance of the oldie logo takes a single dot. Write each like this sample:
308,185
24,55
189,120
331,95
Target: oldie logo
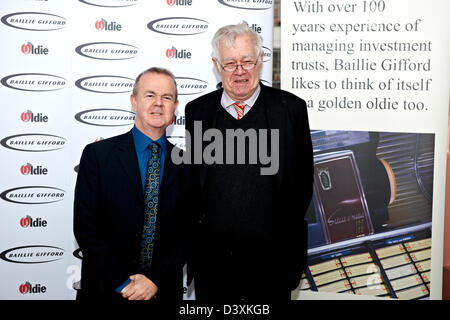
179,120
103,25
179,26
29,222
28,288
32,254
29,169
179,2
29,116
187,86
33,142
178,54
37,82
105,84
255,27
248,4
33,195
107,50
110,3
106,117
34,21
29,48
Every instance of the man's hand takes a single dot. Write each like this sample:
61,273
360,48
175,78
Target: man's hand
140,288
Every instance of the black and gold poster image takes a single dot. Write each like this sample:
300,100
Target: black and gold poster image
370,218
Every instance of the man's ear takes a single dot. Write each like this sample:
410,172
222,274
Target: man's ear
133,102
216,65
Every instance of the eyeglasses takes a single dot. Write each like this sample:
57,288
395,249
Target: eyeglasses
231,67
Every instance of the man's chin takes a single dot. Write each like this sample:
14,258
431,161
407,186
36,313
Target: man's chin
241,94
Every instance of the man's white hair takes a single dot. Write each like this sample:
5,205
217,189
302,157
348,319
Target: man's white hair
228,35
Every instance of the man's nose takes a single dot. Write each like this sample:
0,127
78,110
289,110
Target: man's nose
239,69
158,100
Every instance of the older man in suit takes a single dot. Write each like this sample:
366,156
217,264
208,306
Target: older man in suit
249,226
128,211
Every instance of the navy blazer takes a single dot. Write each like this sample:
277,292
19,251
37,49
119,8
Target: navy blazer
109,216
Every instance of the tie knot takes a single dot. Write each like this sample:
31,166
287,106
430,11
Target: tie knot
154,147
239,107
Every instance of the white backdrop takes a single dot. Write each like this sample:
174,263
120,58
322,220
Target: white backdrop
67,70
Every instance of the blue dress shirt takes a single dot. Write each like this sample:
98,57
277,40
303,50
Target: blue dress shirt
141,142
143,152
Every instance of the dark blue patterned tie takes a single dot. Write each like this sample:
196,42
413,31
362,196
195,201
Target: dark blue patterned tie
151,206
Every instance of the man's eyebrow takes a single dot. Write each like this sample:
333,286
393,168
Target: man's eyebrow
243,57
164,94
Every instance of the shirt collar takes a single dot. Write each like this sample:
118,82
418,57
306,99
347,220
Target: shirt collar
226,101
142,141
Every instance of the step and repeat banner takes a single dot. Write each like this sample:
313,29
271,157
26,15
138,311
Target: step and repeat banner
67,72
375,76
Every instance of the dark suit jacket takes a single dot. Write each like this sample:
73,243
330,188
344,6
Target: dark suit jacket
109,215
293,182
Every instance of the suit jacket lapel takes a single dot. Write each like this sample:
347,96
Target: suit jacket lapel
170,169
128,160
209,120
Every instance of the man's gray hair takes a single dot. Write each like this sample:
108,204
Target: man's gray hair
159,71
229,33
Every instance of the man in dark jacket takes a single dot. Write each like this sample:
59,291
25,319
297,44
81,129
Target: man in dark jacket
129,206
250,231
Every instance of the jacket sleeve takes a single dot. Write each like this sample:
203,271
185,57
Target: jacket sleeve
302,187
103,270
306,174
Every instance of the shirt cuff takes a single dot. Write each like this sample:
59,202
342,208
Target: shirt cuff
123,285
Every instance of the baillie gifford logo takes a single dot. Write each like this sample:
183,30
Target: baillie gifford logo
33,142
178,54
28,288
248,4
29,48
34,21
110,3
36,82
33,195
178,26
107,50
103,25
32,254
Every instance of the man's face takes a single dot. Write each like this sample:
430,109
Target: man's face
239,84
154,102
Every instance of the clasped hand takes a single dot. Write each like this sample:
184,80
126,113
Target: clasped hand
139,288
